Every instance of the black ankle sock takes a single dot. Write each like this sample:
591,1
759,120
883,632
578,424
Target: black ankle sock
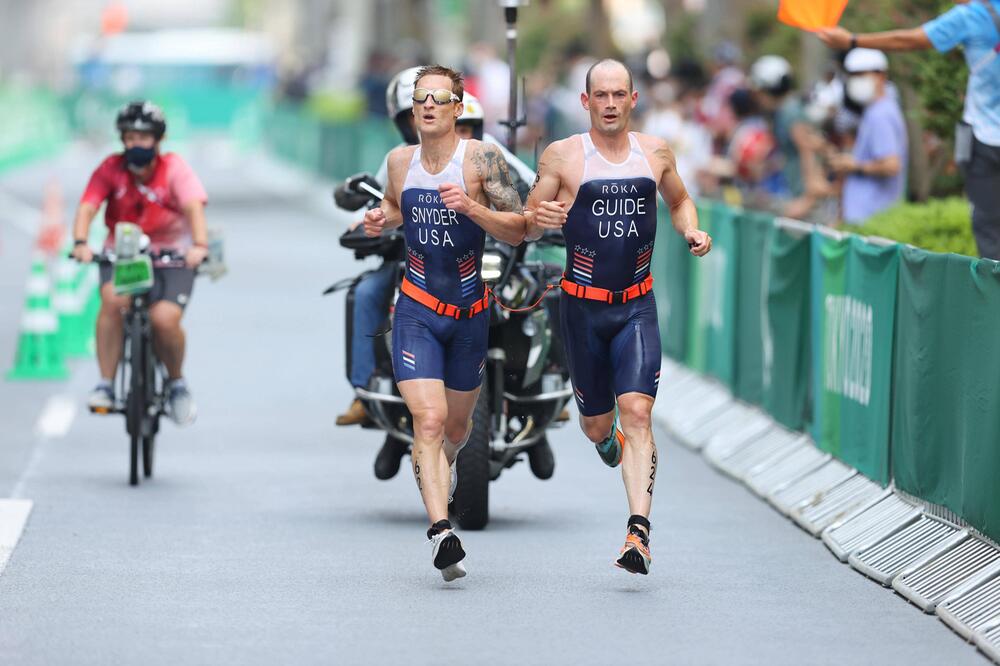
635,525
438,527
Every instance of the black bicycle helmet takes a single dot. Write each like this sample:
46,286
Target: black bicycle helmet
141,116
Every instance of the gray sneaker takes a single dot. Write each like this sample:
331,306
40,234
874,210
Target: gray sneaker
180,405
102,399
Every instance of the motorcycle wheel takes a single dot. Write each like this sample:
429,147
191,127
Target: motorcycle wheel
471,504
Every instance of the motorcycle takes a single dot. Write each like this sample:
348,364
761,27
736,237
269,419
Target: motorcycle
524,389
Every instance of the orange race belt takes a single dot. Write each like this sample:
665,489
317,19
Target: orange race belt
606,295
442,308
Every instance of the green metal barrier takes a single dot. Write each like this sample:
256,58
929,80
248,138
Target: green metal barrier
755,236
711,307
786,363
671,269
335,150
946,402
853,317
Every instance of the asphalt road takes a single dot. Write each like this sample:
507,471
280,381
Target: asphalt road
264,537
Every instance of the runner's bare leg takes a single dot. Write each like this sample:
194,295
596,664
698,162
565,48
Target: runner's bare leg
639,455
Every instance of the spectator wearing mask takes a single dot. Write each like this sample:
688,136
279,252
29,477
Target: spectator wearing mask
875,170
976,27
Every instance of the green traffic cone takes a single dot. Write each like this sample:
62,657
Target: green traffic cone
38,352
69,309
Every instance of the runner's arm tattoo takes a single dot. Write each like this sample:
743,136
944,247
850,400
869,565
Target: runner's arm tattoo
495,176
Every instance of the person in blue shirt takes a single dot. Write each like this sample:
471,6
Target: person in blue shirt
875,170
976,27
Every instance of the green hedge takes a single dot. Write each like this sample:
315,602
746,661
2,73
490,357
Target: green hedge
939,225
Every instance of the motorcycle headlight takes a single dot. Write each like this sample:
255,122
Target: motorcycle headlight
492,267
515,292
529,327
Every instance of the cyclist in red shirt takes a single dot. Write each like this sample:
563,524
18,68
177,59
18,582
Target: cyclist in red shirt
159,192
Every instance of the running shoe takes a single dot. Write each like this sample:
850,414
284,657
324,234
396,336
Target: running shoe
448,554
102,399
180,405
454,481
634,556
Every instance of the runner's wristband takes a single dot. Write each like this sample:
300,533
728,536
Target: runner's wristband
79,241
854,42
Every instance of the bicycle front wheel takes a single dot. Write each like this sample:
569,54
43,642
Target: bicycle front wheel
148,447
136,396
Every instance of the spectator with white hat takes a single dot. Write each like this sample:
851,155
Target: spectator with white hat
975,26
875,170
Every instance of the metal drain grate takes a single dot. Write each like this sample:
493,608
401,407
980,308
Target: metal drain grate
804,490
927,583
828,507
869,524
766,479
885,559
759,451
725,443
988,640
729,416
973,608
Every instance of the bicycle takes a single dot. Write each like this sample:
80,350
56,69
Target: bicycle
141,377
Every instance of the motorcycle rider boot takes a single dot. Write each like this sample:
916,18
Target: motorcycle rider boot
355,415
610,449
388,459
634,556
541,460
447,552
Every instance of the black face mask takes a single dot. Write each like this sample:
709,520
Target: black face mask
138,157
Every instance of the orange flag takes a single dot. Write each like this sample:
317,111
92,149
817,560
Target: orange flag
811,14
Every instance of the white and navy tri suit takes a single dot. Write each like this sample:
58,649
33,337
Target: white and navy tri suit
444,252
613,347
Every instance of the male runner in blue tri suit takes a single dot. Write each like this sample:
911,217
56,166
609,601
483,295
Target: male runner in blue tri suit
442,191
600,189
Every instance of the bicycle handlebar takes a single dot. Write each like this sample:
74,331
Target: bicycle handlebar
165,258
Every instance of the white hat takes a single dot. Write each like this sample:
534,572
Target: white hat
865,60
769,71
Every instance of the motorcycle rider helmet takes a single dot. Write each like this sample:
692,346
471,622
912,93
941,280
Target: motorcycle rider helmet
399,102
472,115
141,116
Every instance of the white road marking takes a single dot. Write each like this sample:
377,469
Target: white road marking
13,517
56,417
53,423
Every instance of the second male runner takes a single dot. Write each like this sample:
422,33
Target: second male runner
600,189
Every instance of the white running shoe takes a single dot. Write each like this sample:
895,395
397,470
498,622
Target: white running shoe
447,555
180,405
101,399
454,481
